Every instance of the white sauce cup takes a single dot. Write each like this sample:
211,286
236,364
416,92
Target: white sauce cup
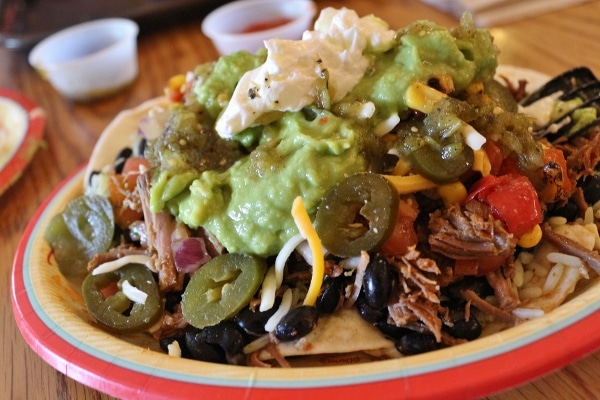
89,60
246,24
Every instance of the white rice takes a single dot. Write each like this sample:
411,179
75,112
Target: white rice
527,276
530,292
538,269
527,313
525,257
566,259
518,278
553,278
588,217
557,221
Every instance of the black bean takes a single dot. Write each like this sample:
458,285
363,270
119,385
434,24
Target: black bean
166,341
392,331
123,155
91,177
591,188
570,211
200,350
172,299
369,313
220,343
416,343
141,146
479,285
297,323
389,162
463,329
253,321
331,295
378,283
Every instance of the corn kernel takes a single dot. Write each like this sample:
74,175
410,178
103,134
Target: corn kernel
176,82
531,238
452,193
174,89
422,97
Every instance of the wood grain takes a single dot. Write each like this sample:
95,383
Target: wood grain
551,43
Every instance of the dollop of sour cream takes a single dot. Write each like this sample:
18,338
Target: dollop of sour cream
289,78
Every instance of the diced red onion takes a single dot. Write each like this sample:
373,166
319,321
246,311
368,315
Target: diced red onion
189,254
152,125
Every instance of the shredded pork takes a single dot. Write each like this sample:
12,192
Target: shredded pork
469,232
159,230
418,300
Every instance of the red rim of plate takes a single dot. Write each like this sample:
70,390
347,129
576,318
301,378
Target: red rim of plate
471,379
28,145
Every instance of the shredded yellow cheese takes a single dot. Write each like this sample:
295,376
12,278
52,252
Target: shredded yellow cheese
308,231
481,162
410,183
452,193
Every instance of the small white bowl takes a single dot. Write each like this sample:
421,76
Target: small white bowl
246,24
89,60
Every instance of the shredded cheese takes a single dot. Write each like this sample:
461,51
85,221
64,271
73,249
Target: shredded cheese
481,162
421,97
410,183
114,265
283,255
308,231
452,193
361,268
174,350
257,344
267,295
134,294
473,139
284,308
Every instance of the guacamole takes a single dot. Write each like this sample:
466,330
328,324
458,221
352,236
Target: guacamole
304,152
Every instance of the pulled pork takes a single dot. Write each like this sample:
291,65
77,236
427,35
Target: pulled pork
582,154
418,300
469,232
159,230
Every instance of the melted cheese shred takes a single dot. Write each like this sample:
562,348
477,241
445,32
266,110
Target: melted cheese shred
308,231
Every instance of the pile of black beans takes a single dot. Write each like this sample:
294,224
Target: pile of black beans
379,283
224,342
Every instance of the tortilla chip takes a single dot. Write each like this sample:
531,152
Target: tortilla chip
342,332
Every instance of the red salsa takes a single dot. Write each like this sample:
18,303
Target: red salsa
263,26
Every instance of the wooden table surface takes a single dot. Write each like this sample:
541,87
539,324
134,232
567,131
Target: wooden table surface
552,42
